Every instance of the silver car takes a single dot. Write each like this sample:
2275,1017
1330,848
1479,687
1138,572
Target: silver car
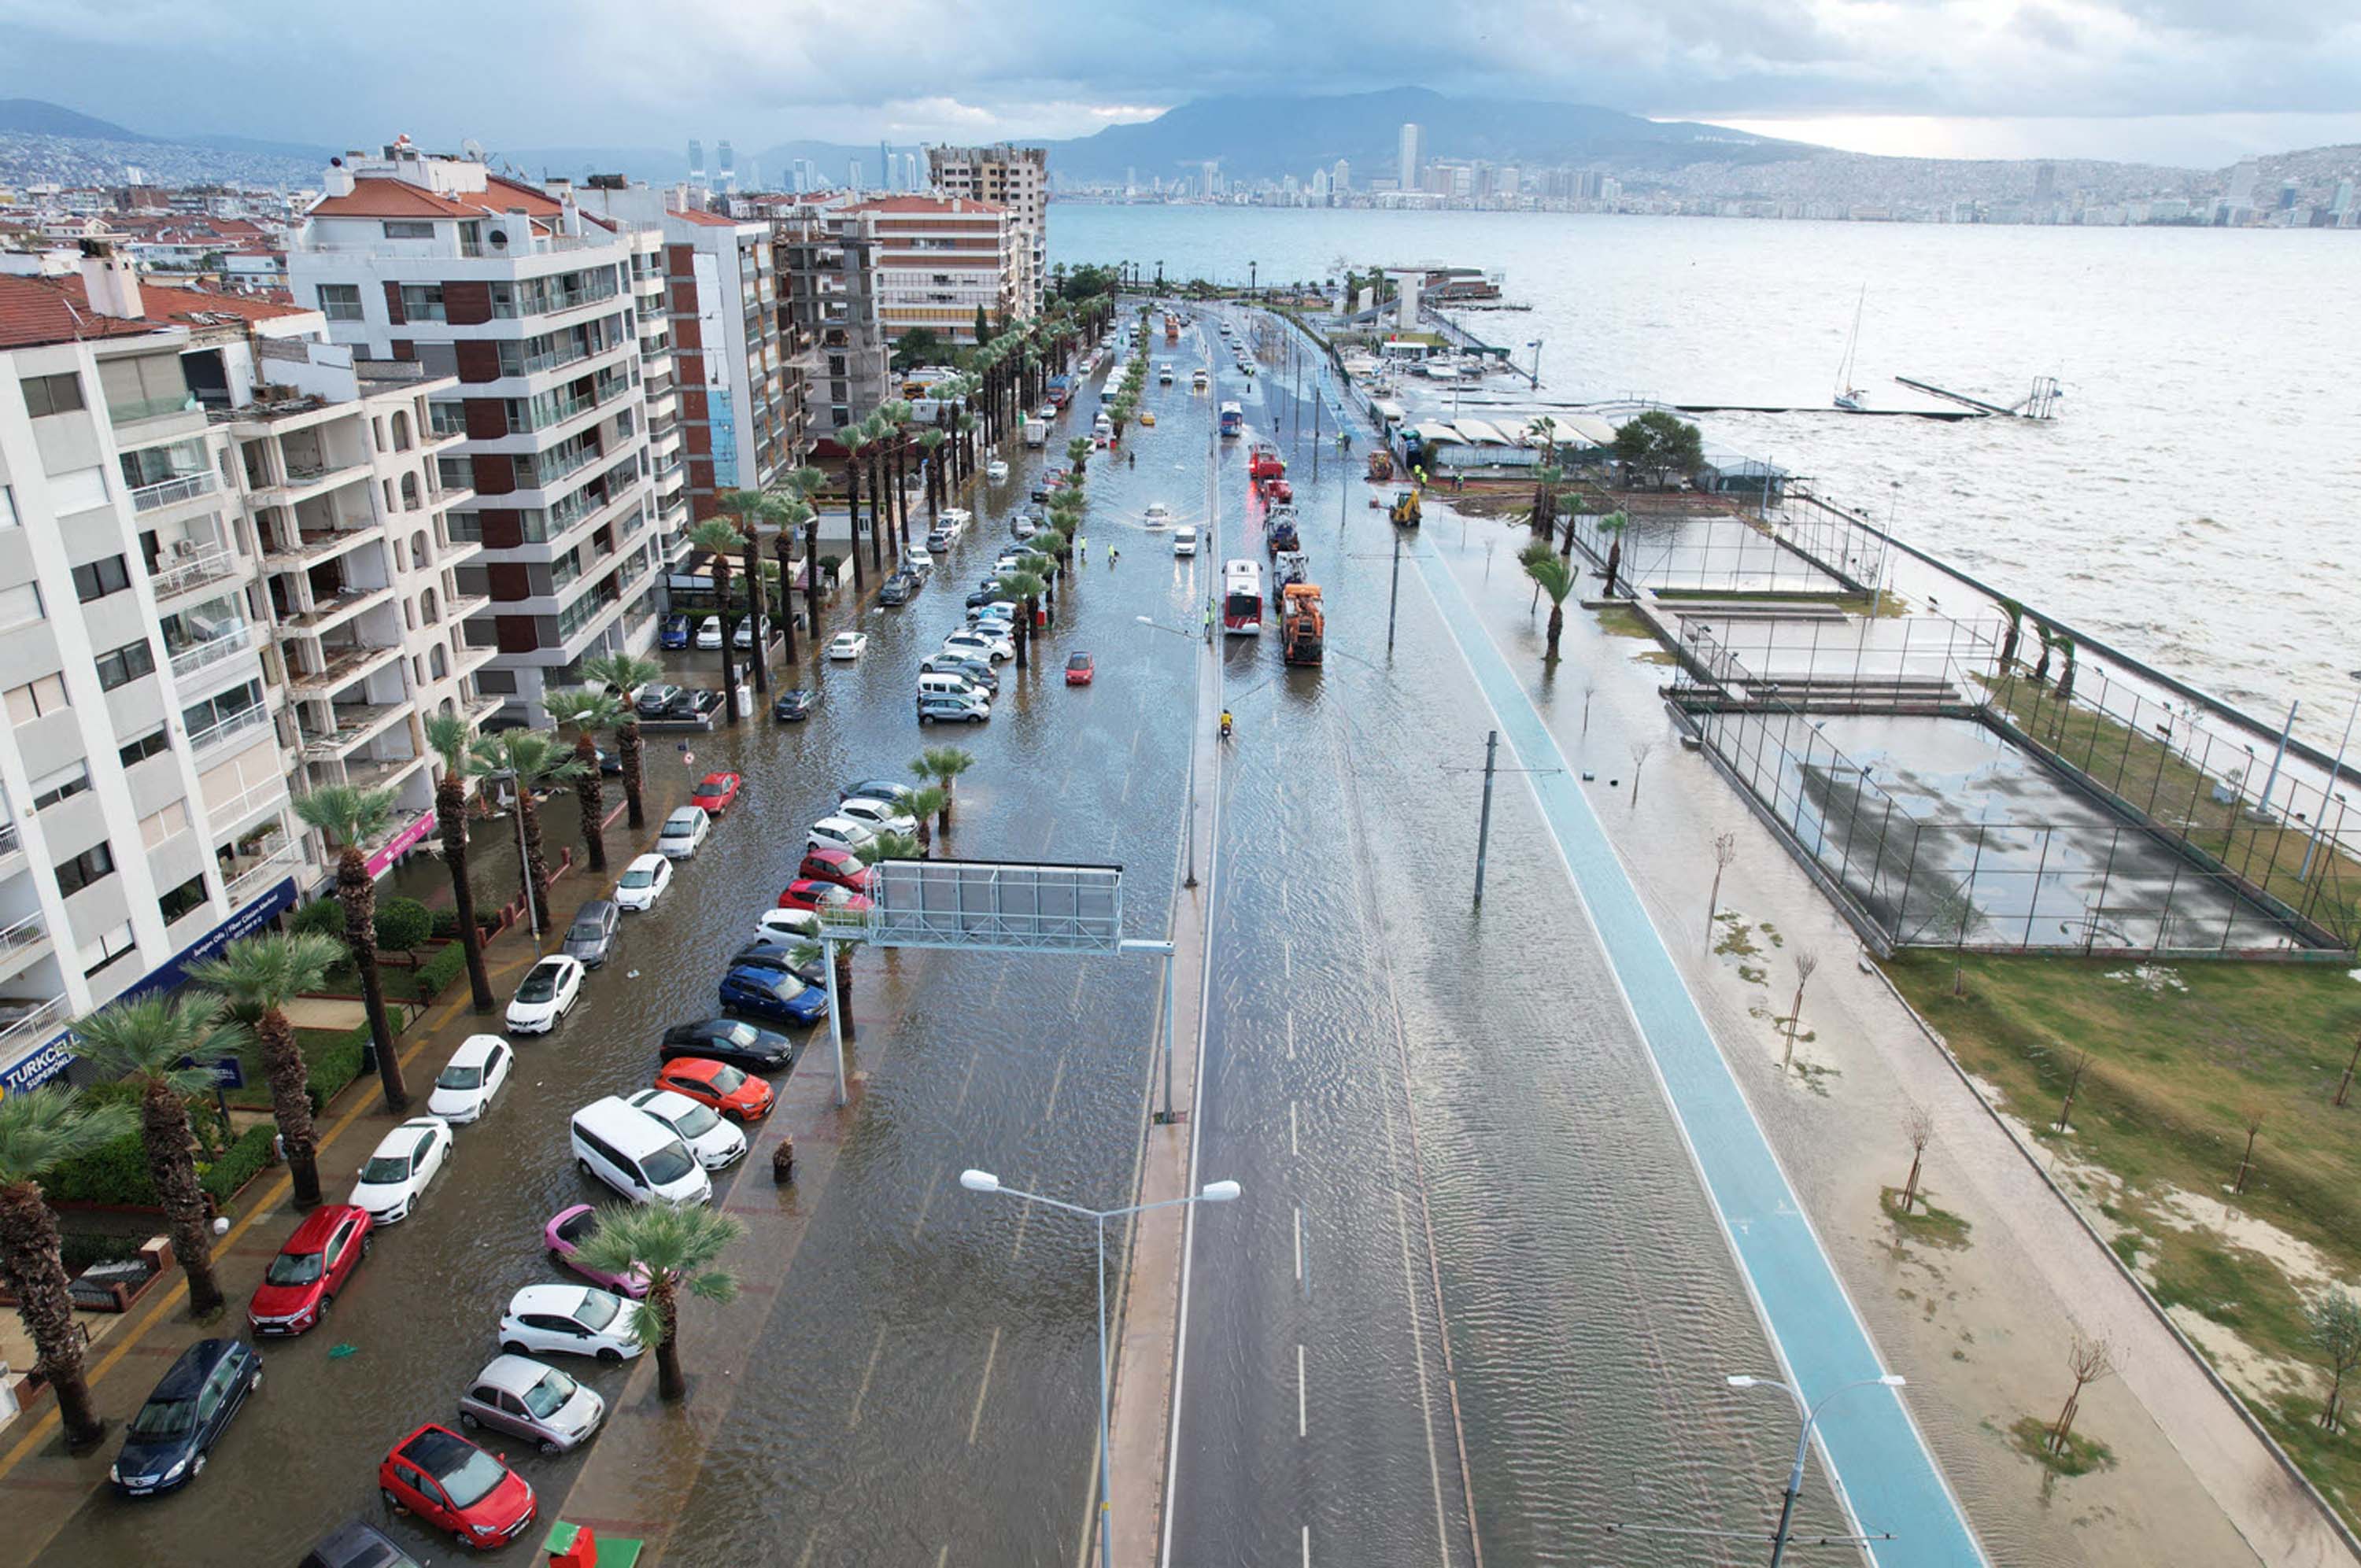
519,1396
592,935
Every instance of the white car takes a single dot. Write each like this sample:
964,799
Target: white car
476,1071
550,989
995,470
878,816
1184,541
977,644
1158,515
840,833
954,520
682,831
569,1320
407,1158
847,646
792,924
643,882
714,1142
708,632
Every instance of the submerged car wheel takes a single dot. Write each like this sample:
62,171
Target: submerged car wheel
609,1356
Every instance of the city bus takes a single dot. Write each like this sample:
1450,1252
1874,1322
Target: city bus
1242,598
1234,419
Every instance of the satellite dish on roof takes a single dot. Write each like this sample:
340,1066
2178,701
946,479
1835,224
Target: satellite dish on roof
474,149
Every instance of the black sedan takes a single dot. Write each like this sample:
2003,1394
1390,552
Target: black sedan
729,1041
795,705
771,952
165,1445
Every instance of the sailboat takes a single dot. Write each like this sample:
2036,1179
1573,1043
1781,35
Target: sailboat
1849,397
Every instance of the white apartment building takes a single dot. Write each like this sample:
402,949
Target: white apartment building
225,575
539,313
1016,180
938,259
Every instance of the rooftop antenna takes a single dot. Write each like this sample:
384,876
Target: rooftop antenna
474,149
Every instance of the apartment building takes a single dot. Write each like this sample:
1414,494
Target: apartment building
225,575
1015,180
826,263
939,258
538,315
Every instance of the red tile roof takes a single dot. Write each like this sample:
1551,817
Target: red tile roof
500,194
711,220
927,205
379,198
165,302
35,310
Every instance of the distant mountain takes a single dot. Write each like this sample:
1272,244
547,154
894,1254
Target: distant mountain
32,116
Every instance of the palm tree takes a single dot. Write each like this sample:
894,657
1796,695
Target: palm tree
794,513
872,446
943,765
753,509
1612,525
851,439
1042,564
930,442
1078,452
677,1247
149,1040
1554,578
38,1132
1024,587
803,955
453,739
625,674
588,709
531,758
719,538
254,978
966,425
923,804
2009,639
352,816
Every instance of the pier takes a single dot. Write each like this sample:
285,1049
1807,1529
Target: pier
2040,403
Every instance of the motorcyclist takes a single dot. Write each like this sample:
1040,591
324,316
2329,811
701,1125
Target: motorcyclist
1225,724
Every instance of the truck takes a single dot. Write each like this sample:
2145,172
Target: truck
1303,630
1278,530
1061,389
1263,462
1289,567
1037,433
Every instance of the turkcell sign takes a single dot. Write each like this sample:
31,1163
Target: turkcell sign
38,1066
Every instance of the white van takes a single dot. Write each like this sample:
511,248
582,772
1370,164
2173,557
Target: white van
945,683
636,1155
1184,541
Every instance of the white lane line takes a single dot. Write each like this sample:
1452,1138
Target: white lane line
1299,1244
927,1202
1055,1079
1307,1546
855,1418
811,1544
1300,1423
1287,958
944,1555
1024,1213
1292,1147
1291,1026
967,1080
976,1420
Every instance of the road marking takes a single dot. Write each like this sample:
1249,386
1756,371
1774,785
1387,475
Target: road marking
962,1100
1307,1547
1299,1244
1287,958
1024,1213
927,1202
976,1420
862,1393
1292,1146
944,1555
810,1545
1300,1423
1055,1079
1291,1026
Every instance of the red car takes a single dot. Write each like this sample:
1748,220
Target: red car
841,867
310,1270
716,791
452,1485
1078,669
810,893
717,1086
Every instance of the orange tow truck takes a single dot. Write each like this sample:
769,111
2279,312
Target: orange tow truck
1302,631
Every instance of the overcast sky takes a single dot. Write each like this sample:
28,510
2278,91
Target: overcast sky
2194,81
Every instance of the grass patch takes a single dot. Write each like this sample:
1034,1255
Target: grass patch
1739,940
2233,1286
1654,656
1925,1222
1866,605
2083,1455
1621,621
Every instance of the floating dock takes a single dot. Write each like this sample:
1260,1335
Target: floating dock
2040,403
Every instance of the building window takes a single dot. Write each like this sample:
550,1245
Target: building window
401,229
63,785
341,301
125,664
421,302
467,527
155,743
159,826
94,865
52,394
36,698
20,606
100,578
184,899
113,948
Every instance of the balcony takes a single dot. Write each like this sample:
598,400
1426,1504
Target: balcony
482,707
473,657
195,656
383,775
140,409
175,575
335,611
27,935
247,877
24,1025
187,487
461,606
320,544
304,480
244,723
11,842
344,666
357,723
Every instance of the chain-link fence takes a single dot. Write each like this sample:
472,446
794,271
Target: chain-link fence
1724,545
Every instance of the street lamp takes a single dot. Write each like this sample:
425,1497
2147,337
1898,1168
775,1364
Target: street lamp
1196,715
1211,1192
2326,790
1811,1414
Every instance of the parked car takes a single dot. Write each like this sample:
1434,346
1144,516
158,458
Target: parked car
550,989
715,793
789,924
878,789
795,705
847,646
697,704
592,936
356,1543
407,1160
735,1094
657,700
451,1484
978,671
1078,669
319,1259
676,632
897,588
805,893
983,596
643,883
716,1143
709,634
878,816
742,639
939,540
979,645
683,832
476,1071
995,470
741,1045
952,708
780,953
838,866
769,995
564,1236
638,1156
569,1320
955,519
839,833
519,1396
166,1443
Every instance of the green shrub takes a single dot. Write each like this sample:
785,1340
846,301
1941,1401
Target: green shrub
249,1154
440,971
335,1059
112,1173
321,916
401,925
79,1252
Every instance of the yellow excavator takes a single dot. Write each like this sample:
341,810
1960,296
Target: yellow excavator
1404,510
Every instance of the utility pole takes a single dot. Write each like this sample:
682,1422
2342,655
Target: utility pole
1393,596
1484,822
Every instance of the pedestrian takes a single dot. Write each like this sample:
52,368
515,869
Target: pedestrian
783,1161
1083,547
1134,456
1115,553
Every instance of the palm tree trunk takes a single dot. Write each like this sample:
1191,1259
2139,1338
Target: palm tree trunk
729,641
30,1266
357,892
783,547
290,1103
536,866
1024,637
1614,560
902,486
451,817
876,518
1556,626
590,794
751,563
811,578
627,745
844,987
164,1133
672,1384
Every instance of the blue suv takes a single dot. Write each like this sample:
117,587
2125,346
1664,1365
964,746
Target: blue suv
772,994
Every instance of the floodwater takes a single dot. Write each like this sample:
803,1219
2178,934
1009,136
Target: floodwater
2189,505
